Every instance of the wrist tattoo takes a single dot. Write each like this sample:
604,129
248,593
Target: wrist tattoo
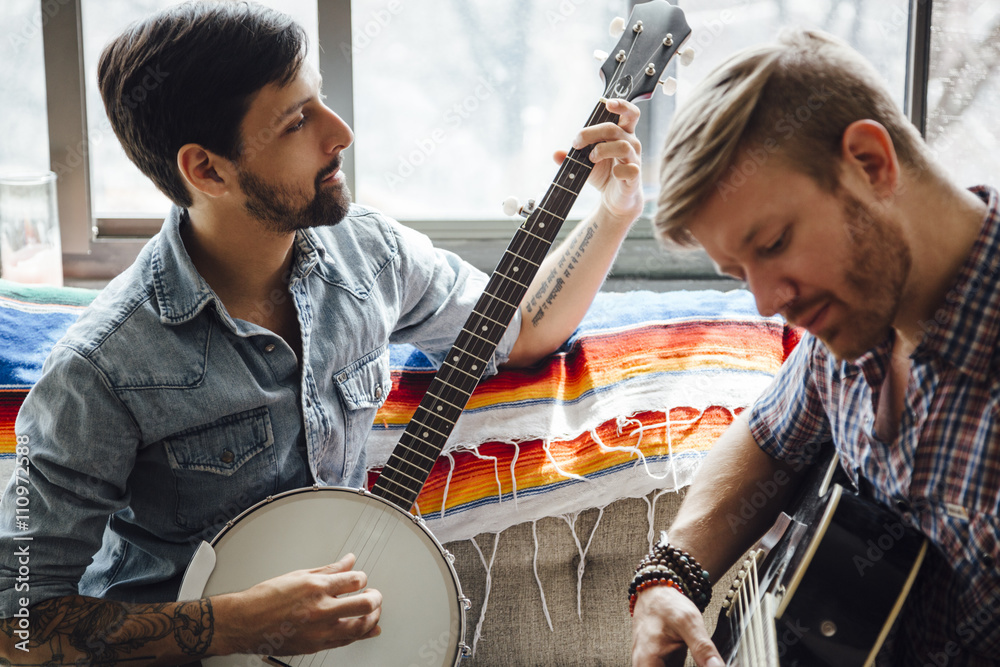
194,627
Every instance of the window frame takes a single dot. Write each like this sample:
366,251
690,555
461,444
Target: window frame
98,248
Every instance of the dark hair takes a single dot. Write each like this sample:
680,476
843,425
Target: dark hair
187,75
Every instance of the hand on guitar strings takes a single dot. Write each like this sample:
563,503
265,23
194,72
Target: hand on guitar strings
301,612
617,157
664,622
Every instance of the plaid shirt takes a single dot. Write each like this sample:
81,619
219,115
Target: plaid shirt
941,474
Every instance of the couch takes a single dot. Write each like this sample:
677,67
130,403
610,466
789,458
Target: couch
557,478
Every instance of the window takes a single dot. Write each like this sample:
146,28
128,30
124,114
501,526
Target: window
25,142
963,90
119,189
457,107
426,85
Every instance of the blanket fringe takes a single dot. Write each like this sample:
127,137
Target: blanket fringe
447,483
570,520
489,584
534,566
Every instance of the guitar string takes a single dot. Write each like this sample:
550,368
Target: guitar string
309,660
532,244
751,636
757,628
742,626
529,246
767,618
747,633
756,620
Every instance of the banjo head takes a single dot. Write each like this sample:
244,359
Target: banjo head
423,610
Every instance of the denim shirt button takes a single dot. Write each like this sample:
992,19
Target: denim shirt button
378,391
227,457
269,347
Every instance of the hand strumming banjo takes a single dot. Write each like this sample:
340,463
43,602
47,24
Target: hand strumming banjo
423,610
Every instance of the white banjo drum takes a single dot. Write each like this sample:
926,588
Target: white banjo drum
423,611
422,621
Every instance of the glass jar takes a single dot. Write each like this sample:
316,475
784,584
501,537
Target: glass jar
30,247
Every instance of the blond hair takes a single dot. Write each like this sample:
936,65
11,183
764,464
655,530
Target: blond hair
790,101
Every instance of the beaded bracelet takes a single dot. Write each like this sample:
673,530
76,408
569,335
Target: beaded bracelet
649,579
667,565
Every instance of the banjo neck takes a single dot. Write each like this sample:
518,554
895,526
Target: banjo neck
425,436
632,72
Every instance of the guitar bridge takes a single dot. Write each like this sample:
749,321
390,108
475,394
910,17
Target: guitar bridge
749,569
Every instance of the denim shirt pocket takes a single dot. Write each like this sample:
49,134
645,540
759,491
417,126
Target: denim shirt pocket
231,458
363,387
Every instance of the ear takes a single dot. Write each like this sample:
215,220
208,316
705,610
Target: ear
867,149
204,171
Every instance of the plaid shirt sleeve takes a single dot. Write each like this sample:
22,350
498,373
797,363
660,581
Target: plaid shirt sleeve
788,421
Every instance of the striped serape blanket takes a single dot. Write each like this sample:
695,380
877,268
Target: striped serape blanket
631,403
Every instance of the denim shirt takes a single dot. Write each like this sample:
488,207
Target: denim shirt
158,417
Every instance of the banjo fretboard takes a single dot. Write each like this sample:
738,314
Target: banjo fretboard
424,439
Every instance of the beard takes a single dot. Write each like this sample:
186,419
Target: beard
279,209
876,277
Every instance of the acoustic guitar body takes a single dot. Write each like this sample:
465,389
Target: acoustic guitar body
829,589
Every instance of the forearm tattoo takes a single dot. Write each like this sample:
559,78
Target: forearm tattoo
75,630
554,282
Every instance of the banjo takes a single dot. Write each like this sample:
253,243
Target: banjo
423,609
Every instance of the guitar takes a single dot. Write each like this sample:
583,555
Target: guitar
824,586
423,610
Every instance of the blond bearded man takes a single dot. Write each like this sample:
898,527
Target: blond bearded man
795,171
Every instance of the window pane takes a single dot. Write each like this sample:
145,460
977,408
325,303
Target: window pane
722,27
118,187
964,89
24,137
460,107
